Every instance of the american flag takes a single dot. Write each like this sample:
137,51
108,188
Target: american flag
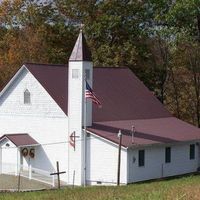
90,94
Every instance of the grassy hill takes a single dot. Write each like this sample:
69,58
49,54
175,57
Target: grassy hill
184,188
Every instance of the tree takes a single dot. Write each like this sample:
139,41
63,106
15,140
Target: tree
184,16
112,28
192,52
32,32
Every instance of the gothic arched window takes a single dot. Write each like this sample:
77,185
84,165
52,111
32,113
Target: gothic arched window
27,97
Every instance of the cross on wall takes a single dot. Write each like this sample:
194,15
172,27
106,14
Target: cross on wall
72,140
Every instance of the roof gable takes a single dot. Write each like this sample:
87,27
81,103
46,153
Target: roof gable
22,139
11,81
122,94
54,78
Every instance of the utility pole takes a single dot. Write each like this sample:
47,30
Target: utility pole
133,133
119,157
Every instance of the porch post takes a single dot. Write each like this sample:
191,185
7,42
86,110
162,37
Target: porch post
17,167
30,171
1,163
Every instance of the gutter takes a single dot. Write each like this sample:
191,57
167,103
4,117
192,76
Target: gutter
110,141
135,146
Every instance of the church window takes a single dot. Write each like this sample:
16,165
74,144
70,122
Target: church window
141,158
7,144
167,154
27,97
75,73
192,151
87,74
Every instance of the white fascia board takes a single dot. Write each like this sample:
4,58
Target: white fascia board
15,77
2,139
12,79
43,88
29,145
115,144
138,146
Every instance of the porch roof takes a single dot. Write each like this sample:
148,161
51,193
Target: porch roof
20,139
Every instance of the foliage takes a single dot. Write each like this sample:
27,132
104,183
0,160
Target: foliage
157,39
32,32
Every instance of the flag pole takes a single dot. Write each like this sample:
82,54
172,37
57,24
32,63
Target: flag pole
119,157
85,132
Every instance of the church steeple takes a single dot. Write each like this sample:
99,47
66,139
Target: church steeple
81,51
80,69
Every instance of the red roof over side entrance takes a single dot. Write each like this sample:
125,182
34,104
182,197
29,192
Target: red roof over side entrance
22,139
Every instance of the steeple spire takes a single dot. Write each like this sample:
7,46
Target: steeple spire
81,51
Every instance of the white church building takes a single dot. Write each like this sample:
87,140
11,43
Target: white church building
42,121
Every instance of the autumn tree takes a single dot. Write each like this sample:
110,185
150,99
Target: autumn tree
32,31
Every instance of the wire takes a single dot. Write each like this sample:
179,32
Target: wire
52,143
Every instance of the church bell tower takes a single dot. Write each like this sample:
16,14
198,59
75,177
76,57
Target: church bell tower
80,70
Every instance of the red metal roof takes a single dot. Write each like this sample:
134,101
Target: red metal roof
54,78
81,52
125,102
122,94
148,131
22,139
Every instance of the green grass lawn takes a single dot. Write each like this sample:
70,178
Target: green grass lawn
185,188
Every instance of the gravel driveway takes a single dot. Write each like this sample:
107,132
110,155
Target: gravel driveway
9,182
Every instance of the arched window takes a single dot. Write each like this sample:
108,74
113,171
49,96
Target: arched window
27,97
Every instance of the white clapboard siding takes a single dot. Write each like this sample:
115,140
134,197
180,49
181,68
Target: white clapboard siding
155,166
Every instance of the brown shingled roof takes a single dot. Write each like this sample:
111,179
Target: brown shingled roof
22,139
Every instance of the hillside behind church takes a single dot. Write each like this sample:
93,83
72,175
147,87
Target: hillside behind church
159,42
